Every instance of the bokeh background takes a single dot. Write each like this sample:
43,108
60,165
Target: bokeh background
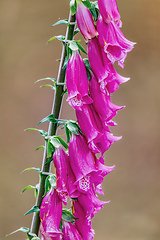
134,186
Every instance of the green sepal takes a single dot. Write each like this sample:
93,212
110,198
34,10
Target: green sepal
81,48
73,127
63,21
49,118
68,216
76,31
67,133
73,6
75,46
33,209
50,182
55,142
22,229
88,68
94,10
42,132
87,3
62,142
50,149
59,37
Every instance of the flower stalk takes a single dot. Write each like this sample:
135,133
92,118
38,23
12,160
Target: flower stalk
56,108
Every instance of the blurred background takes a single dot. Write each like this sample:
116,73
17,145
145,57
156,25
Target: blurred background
134,186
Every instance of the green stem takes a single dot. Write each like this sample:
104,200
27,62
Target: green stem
56,108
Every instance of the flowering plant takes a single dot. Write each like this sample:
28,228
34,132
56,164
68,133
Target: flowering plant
89,82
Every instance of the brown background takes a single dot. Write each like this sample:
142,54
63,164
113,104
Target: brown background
134,186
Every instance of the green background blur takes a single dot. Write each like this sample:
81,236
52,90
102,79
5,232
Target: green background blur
134,186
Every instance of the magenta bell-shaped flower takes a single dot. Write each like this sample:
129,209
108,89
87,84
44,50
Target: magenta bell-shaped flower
85,21
82,163
50,216
77,82
60,163
109,11
113,41
70,232
83,223
97,133
90,203
101,101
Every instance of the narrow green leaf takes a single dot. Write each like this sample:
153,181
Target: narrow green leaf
48,85
32,168
49,118
33,209
73,6
59,37
67,133
28,188
62,142
40,147
22,229
87,3
47,78
42,132
63,21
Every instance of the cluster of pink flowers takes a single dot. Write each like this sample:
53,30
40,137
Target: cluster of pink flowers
79,174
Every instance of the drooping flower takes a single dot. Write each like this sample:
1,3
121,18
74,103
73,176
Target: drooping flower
113,41
82,163
97,133
90,203
83,223
101,101
77,82
50,216
85,21
70,232
109,11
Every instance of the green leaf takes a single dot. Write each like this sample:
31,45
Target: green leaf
68,216
73,6
59,37
32,168
72,126
47,78
28,188
49,118
63,21
22,229
33,209
62,142
40,147
48,85
87,3
42,132
67,133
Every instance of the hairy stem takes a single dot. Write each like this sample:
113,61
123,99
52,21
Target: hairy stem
56,108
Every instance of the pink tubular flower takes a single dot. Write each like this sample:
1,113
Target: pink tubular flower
90,203
97,133
60,159
70,232
50,216
83,223
77,82
98,66
82,163
113,41
109,11
101,101
85,21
